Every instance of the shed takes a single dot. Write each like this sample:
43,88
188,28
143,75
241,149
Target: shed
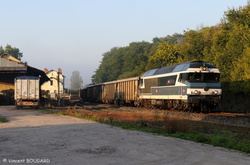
10,68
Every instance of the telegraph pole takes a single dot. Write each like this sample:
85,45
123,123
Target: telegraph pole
58,85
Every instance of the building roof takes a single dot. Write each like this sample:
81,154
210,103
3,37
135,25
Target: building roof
11,58
8,62
52,70
10,65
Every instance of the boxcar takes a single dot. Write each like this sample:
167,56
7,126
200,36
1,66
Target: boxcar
92,93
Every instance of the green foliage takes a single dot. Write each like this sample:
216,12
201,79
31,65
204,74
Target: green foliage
123,62
226,45
111,66
1,50
174,39
13,51
192,46
165,54
3,120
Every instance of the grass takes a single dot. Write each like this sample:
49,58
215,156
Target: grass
3,120
49,111
232,137
238,140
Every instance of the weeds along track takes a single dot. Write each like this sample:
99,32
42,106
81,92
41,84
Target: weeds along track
124,113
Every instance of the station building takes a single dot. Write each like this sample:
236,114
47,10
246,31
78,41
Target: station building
56,84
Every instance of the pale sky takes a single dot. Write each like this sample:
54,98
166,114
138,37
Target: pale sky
73,34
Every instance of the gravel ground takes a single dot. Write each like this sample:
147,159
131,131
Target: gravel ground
35,138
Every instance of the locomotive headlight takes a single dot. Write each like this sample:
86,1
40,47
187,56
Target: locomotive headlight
197,92
194,92
215,92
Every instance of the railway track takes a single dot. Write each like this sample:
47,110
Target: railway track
234,119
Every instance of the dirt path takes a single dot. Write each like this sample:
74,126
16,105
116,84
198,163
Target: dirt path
33,137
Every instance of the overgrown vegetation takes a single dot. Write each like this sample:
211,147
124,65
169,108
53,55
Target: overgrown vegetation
226,45
3,120
232,137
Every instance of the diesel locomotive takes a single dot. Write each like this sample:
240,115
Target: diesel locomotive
190,86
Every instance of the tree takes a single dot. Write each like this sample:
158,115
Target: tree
76,80
165,54
135,59
13,51
1,50
192,46
123,62
110,67
173,39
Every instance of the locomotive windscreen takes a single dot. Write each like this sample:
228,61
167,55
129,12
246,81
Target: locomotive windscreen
200,77
199,64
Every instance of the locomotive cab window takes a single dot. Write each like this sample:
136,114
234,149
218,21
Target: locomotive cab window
200,77
166,81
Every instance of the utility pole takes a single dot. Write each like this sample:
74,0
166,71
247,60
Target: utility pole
58,85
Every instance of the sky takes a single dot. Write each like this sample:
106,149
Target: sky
74,34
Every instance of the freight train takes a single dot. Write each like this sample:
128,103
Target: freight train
190,86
